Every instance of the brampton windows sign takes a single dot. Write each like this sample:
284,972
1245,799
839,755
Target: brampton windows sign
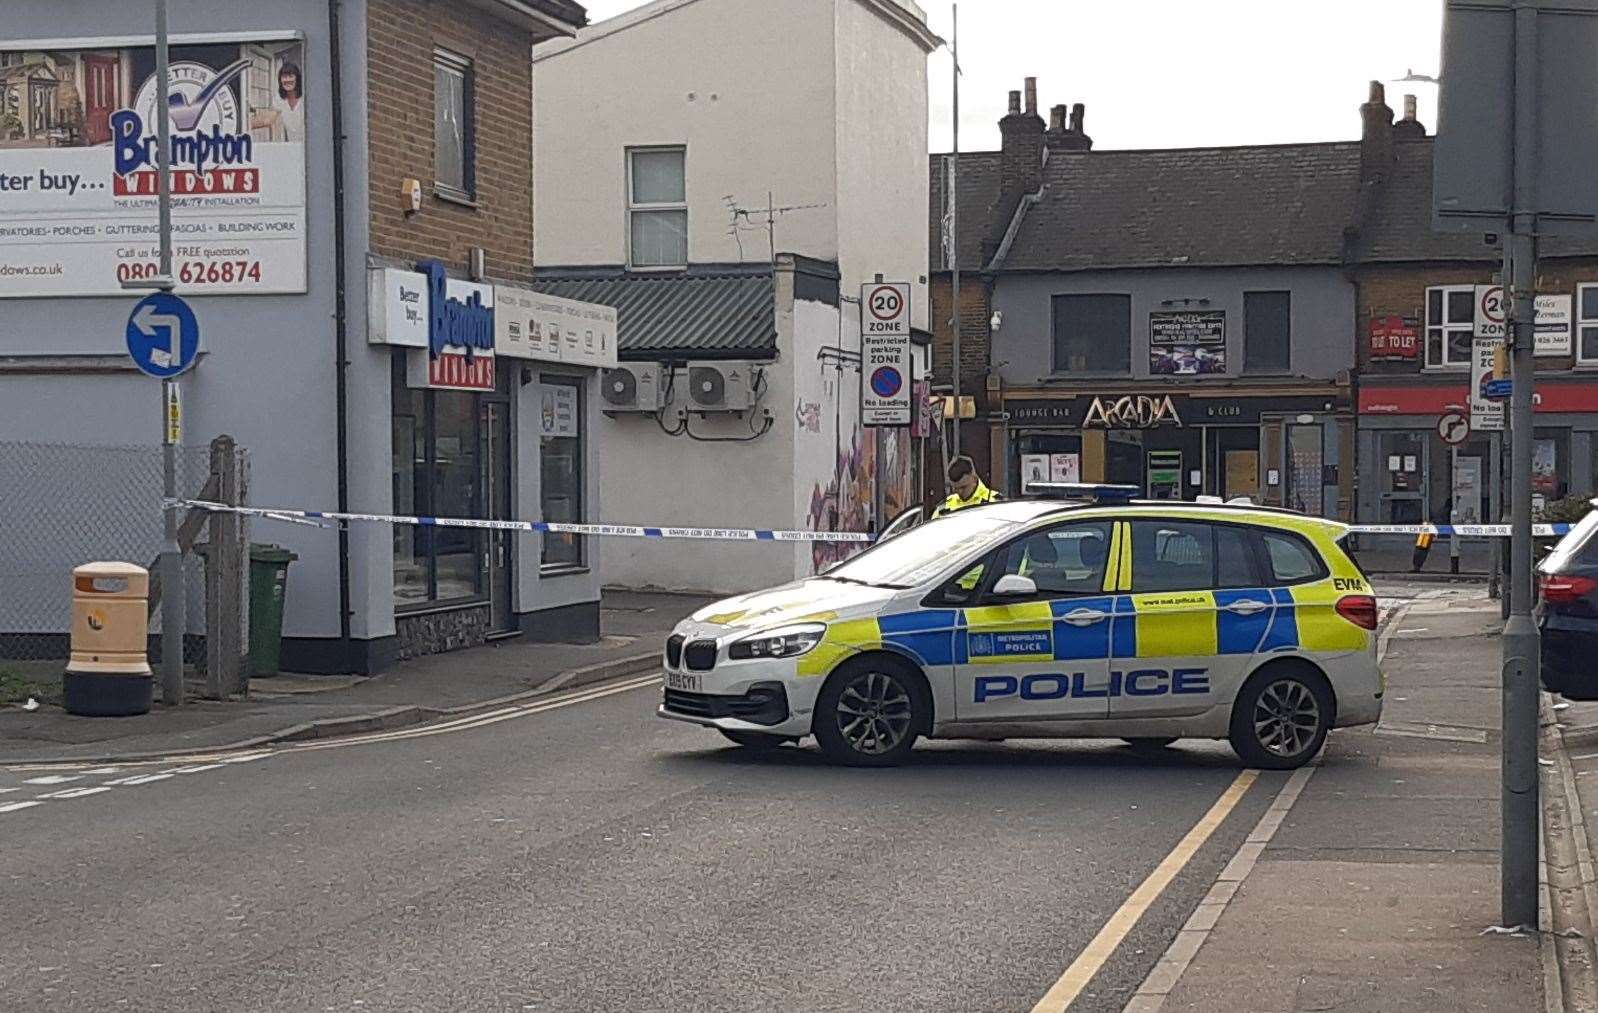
78,151
459,317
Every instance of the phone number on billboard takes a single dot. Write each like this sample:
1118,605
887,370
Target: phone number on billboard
197,272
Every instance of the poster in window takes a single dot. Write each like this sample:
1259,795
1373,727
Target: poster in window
78,150
557,409
1467,491
1065,467
1187,343
1034,469
1544,477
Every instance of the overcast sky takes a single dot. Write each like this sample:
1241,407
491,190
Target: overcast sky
1178,73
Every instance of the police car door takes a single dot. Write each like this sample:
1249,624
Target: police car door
1042,655
1200,616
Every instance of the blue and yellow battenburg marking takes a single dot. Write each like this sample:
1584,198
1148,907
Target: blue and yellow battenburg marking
1177,624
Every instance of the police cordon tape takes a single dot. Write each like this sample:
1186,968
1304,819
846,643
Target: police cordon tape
1463,530
551,527
752,534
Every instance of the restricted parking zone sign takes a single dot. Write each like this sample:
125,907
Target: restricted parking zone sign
885,381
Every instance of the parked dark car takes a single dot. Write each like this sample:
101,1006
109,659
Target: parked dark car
1567,611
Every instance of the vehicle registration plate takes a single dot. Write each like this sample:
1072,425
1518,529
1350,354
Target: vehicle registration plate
683,681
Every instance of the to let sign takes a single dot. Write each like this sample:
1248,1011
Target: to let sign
1395,337
885,382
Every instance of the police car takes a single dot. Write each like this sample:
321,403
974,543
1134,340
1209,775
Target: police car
1037,618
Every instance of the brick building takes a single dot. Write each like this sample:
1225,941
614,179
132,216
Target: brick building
369,333
1419,302
1178,320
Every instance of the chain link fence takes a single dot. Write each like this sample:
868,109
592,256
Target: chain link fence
64,505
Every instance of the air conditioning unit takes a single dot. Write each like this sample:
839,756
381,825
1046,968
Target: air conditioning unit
636,387
722,387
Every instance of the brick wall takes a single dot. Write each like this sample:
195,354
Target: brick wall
402,37
975,338
1401,290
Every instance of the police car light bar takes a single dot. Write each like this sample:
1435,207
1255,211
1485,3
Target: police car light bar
1084,491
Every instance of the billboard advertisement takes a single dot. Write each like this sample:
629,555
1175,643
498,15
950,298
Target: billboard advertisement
78,151
1187,343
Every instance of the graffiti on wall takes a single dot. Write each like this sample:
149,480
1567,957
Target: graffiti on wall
846,503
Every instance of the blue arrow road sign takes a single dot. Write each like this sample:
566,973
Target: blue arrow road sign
163,335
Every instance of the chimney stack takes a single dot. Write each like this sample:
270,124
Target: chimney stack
1409,128
1065,129
1021,157
1376,136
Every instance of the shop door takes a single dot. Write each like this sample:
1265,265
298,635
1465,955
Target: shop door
1402,459
497,496
1242,475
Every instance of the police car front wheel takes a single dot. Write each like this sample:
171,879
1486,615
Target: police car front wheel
870,713
1281,717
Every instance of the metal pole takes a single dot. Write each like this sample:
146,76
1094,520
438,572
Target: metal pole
174,596
954,229
1453,482
1520,642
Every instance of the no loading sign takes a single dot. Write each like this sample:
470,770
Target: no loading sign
885,354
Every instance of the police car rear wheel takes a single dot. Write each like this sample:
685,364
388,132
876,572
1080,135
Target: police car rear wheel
1281,719
869,714
759,741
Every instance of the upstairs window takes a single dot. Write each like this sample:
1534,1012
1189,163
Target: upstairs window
454,127
1267,332
1092,334
1450,324
657,207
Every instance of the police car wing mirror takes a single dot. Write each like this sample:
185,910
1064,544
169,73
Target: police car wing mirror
1013,585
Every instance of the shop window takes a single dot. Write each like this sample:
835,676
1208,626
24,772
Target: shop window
1092,334
657,207
561,467
1587,325
454,127
1267,332
437,473
1450,324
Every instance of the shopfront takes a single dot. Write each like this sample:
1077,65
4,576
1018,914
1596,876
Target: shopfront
491,387
1275,448
1420,465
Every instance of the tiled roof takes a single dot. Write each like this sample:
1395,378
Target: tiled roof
978,184
1400,226
1273,204
706,312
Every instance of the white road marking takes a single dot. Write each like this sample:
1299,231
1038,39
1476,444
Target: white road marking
54,779
195,769
103,770
11,807
142,779
78,792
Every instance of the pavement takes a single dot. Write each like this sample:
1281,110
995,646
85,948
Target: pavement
289,707
574,852
1374,891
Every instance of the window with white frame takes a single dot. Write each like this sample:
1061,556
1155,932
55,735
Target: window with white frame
1587,325
1450,323
657,207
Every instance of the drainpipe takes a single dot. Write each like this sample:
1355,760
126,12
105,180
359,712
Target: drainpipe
340,327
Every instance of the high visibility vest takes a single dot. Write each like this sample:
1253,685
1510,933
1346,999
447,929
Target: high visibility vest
982,494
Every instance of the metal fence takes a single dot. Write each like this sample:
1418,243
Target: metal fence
63,505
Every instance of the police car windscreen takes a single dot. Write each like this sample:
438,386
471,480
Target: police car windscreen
922,553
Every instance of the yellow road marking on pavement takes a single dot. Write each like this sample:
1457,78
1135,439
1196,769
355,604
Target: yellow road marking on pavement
1091,959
